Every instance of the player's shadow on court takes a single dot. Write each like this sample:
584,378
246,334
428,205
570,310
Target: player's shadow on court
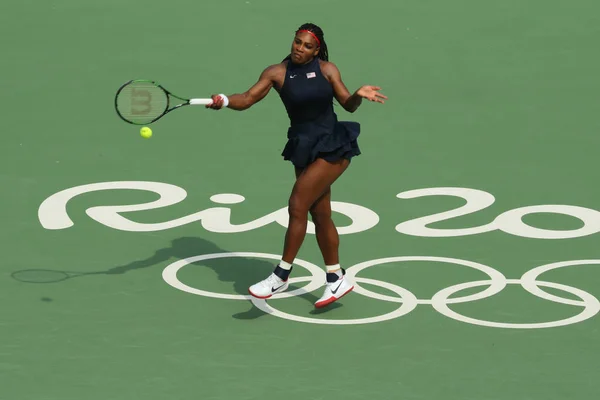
242,272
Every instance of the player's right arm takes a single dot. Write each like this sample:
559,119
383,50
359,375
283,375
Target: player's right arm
258,91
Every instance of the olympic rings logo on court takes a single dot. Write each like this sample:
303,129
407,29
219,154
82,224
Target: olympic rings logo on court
407,301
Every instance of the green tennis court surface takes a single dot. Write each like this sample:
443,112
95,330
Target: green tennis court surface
152,243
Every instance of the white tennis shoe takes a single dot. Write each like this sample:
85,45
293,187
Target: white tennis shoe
268,287
335,288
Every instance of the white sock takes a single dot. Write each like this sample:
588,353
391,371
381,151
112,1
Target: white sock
336,269
285,265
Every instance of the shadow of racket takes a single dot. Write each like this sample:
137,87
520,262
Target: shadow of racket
48,275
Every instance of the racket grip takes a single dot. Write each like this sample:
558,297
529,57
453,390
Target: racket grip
195,102
209,101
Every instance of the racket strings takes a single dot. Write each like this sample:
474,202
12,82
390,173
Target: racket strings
141,102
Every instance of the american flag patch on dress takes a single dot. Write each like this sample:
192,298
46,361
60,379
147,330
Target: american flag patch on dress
310,75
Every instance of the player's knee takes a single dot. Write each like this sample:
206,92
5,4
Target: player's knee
320,215
298,207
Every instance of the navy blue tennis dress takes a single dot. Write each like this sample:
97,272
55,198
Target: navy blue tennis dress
314,131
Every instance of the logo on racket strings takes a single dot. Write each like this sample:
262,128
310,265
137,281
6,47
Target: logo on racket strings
141,99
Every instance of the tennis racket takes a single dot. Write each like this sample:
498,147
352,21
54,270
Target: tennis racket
142,102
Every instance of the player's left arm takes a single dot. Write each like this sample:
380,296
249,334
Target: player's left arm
350,102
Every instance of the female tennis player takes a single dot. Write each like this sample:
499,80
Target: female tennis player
319,146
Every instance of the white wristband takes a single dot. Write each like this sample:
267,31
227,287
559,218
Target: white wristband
225,100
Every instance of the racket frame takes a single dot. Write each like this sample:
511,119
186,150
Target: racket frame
186,102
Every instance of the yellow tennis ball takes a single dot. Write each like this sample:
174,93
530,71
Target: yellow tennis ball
146,132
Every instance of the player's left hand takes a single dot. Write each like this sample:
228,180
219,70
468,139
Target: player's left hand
371,93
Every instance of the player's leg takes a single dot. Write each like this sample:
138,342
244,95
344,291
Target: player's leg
328,239
310,185
325,230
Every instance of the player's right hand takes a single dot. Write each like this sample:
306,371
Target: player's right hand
217,102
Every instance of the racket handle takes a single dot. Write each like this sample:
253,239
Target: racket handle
195,102
209,101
